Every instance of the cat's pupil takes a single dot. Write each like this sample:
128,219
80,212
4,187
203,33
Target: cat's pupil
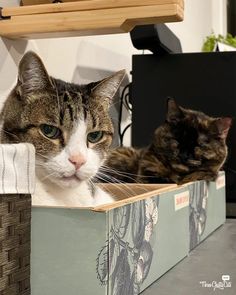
50,131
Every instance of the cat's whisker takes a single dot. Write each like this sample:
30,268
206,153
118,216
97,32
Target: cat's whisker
91,182
48,176
129,178
39,164
103,177
134,180
118,186
109,177
107,188
121,173
124,174
43,156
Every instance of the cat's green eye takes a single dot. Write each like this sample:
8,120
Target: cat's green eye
95,137
50,131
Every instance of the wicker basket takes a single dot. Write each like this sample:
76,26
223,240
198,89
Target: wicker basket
15,214
15,221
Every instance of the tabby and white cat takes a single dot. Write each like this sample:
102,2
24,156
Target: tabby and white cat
70,127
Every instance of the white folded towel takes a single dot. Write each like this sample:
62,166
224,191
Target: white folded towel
17,168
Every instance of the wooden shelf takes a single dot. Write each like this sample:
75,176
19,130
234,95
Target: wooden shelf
86,17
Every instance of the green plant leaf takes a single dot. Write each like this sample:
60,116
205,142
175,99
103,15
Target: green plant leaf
211,40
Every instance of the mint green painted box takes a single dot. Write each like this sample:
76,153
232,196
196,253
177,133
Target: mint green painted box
122,248
207,208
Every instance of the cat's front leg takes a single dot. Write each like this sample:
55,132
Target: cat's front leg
208,176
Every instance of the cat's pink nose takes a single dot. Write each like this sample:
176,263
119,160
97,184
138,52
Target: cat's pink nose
77,161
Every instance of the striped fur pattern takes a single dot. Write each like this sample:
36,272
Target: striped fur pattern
189,146
68,124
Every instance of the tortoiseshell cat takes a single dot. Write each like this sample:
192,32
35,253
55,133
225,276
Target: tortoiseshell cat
69,126
189,146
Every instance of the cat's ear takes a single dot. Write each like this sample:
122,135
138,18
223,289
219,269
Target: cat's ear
32,75
174,112
223,125
108,87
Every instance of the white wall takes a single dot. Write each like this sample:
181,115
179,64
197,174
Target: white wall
219,16
82,59
196,25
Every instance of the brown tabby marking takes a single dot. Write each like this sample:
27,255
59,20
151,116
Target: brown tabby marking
39,99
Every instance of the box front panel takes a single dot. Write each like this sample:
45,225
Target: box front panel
207,208
130,245
170,241
64,252
146,239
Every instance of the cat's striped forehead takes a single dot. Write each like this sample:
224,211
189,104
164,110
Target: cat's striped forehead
71,99
70,106
76,103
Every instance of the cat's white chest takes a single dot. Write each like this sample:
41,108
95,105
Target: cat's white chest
47,194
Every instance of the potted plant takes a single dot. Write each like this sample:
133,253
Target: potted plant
211,42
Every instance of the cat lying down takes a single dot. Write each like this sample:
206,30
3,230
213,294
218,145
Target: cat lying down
71,129
189,146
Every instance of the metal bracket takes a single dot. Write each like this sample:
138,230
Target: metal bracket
3,17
